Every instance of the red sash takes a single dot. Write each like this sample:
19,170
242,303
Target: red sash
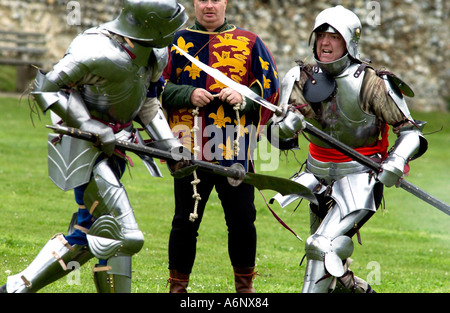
333,155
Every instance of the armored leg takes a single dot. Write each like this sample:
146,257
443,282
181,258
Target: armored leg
328,248
115,235
115,277
52,262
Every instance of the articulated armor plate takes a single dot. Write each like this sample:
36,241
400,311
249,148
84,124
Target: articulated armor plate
98,62
330,251
107,95
52,263
70,161
292,76
115,229
277,128
396,95
161,134
342,116
410,144
159,60
115,277
306,179
352,185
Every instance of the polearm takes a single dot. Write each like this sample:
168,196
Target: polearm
376,167
236,173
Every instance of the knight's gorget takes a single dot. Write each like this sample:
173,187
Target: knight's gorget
341,115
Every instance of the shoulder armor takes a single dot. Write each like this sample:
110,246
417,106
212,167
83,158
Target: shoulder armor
292,76
92,51
158,59
396,88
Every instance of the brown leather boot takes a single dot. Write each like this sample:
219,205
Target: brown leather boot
178,281
243,279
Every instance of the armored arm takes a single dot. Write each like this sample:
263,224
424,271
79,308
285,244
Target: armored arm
53,91
162,137
410,143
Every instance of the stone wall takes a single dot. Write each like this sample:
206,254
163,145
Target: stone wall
410,38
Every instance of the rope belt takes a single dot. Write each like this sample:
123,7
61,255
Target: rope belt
194,215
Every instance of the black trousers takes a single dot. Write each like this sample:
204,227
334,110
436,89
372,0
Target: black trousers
240,215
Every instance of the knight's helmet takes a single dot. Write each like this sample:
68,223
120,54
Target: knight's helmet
343,21
151,21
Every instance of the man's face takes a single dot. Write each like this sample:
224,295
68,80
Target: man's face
330,46
210,13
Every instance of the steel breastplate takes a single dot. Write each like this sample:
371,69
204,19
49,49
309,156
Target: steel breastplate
341,115
117,83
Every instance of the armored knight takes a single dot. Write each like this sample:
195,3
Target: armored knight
102,85
344,97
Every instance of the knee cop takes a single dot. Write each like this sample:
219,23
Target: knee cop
332,252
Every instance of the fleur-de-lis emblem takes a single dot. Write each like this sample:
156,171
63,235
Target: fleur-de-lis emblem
264,64
219,119
194,71
266,82
181,43
228,151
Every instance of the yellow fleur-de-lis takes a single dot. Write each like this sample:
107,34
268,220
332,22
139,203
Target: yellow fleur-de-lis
266,82
228,151
181,43
219,119
242,129
264,64
194,71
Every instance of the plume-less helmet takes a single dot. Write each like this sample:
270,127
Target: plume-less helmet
343,21
151,21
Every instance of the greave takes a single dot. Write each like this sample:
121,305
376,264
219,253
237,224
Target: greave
54,261
316,279
115,277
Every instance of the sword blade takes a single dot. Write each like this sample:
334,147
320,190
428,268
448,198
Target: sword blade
224,79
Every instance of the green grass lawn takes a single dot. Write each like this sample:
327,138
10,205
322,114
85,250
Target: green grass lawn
405,248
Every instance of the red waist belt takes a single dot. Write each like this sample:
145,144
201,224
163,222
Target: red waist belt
332,155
